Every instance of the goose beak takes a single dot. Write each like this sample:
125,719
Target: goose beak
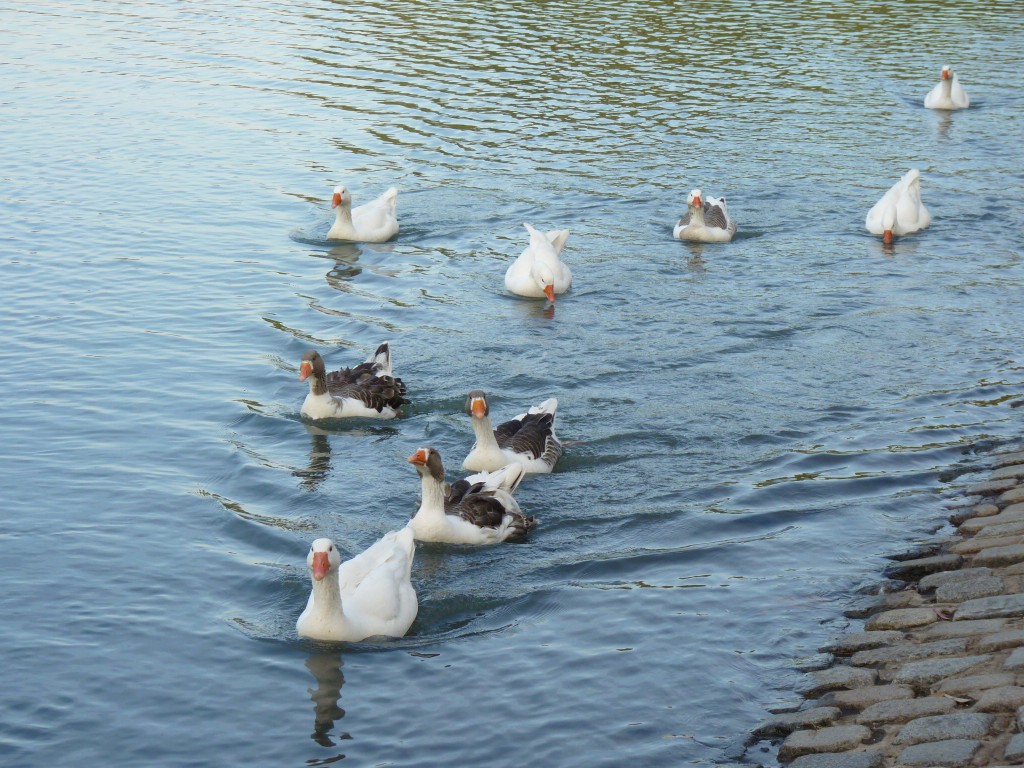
321,565
478,407
305,371
336,200
419,458
697,202
549,291
887,237
945,74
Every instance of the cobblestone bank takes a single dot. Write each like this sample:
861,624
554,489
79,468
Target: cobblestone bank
937,676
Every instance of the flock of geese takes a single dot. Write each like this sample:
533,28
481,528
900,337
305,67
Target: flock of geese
371,594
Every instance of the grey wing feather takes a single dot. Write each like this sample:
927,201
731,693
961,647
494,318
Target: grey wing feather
714,216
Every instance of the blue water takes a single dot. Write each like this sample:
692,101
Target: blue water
750,427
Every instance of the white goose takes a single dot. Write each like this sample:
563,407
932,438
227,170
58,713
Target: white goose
372,222
467,512
947,93
538,272
369,595
900,211
528,439
706,220
368,390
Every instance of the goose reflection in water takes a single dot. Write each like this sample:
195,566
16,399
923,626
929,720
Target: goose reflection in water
345,266
326,668
319,459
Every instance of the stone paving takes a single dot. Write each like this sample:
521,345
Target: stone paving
936,677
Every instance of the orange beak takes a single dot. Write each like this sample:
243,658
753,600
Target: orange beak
887,237
419,458
697,201
945,74
305,371
321,565
478,407
549,291
336,200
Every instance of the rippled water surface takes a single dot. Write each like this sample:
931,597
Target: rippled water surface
750,427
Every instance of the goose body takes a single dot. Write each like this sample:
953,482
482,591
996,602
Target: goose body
368,595
482,512
368,390
705,220
900,211
372,222
528,439
538,272
947,93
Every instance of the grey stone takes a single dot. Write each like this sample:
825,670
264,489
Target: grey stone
991,486
909,652
1011,528
1015,661
950,753
1011,638
1011,470
1007,458
1020,718
889,601
900,711
858,698
978,543
836,738
1011,496
991,607
903,618
958,725
921,674
837,678
935,580
1012,514
997,556
962,628
1015,748
839,760
957,686
780,725
1005,699
914,570
960,591
844,645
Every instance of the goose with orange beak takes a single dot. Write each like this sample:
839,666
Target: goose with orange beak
947,93
705,220
539,272
471,513
528,439
369,595
369,390
900,211
372,222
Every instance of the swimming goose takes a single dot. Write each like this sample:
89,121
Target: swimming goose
372,222
706,220
528,439
900,211
947,93
538,272
368,390
370,594
468,513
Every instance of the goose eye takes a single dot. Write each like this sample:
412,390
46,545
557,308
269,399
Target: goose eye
330,548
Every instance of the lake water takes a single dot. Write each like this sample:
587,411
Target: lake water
750,427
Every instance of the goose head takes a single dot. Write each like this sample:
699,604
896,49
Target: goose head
544,276
428,462
947,73
341,196
476,404
312,364
323,558
888,223
694,200
545,259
